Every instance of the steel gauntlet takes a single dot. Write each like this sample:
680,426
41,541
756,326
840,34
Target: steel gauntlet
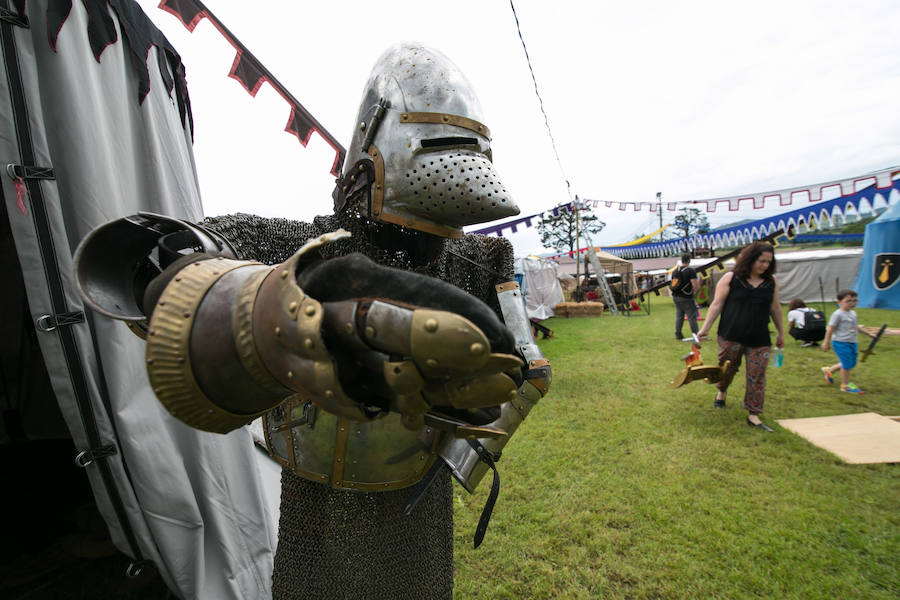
228,340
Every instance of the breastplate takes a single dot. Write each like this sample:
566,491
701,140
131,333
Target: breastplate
365,456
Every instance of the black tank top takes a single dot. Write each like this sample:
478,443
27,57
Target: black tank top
745,317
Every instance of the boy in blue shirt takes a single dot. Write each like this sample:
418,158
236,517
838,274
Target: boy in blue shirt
841,334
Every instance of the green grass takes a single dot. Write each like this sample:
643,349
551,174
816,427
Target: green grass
618,486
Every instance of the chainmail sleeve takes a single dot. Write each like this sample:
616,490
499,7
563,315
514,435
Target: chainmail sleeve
267,240
477,263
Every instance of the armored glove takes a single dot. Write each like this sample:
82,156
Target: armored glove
228,340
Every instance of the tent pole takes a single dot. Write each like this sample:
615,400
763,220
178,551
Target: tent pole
822,294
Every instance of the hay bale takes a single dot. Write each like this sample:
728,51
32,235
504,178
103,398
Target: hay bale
578,309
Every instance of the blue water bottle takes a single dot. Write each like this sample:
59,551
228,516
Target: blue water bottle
778,356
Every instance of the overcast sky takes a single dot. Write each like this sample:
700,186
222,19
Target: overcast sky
691,99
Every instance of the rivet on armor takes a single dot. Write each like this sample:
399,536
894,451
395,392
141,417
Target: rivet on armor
277,331
292,306
310,310
149,361
476,349
342,429
370,331
404,117
186,314
431,325
284,274
445,118
349,327
512,394
308,343
378,187
339,459
162,302
329,394
362,168
431,363
180,360
178,279
152,332
157,390
290,374
362,126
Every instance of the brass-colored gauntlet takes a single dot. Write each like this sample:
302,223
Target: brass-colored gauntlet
229,340
193,360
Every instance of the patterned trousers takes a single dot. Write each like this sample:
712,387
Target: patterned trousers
757,361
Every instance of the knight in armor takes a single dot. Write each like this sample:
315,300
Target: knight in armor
388,353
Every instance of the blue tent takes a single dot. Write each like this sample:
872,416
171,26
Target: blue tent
878,282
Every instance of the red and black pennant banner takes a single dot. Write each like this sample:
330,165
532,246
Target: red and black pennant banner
251,74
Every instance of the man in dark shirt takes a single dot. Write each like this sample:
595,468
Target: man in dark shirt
684,287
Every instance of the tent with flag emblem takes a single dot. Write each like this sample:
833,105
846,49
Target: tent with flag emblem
878,283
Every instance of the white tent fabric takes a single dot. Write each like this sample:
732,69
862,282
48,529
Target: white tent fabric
190,502
540,285
799,273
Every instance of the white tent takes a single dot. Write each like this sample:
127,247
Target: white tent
540,286
812,274
92,133
800,273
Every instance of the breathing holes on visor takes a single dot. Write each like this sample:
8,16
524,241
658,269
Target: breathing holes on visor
456,187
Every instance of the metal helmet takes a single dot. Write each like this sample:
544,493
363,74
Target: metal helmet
421,155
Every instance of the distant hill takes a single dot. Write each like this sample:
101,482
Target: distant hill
733,224
856,227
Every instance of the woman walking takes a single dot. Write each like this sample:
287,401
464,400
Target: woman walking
746,298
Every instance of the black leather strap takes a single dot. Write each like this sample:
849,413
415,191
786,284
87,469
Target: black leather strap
86,457
14,18
51,322
420,488
30,172
488,509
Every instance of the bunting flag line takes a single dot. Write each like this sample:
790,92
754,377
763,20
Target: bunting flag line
809,218
528,221
251,74
812,193
818,216
879,180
